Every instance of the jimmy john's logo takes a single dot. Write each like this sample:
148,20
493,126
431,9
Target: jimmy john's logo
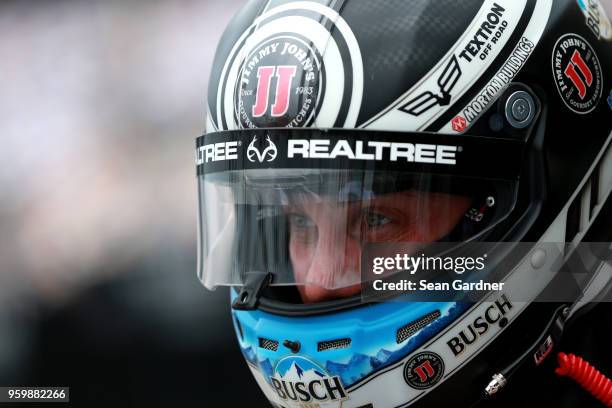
299,382
578,73
424,370
280,84
494,314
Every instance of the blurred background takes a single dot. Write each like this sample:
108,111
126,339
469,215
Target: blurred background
100,105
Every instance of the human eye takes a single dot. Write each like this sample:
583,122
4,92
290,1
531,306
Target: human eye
374,219
300,221
303,229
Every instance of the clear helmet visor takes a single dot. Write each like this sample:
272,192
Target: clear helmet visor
308,227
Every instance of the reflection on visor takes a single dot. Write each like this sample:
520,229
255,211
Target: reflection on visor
327,237
308,228
305,213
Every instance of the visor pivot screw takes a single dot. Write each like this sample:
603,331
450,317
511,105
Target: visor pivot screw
490,201
520,109
566,313
294,346
538,259
497,383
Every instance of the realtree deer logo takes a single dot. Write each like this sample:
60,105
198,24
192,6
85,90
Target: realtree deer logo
269,152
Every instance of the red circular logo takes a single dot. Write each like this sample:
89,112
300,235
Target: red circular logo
578,73
459,124
280,84
424,370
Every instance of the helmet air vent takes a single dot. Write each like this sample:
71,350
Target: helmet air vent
268,344
333,344
404,332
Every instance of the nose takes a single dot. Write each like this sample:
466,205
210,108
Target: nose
335,268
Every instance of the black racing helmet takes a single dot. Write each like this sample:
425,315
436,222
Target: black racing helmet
340,132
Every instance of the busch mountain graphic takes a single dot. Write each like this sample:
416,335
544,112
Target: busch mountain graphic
360,365
297,380
297,368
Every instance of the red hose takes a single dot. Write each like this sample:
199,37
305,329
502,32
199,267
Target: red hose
587,376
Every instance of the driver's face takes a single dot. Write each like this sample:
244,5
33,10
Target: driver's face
327,237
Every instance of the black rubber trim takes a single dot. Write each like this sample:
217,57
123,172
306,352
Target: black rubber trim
294,309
